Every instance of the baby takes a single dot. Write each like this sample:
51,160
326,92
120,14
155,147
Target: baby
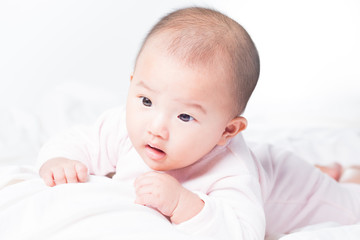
179,143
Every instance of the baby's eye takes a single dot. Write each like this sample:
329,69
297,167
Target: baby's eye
185,117
146,102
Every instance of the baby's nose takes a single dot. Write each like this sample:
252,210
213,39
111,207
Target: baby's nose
158,128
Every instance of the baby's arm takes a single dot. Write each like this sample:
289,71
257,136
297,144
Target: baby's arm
57,171
96,147
166,194
226,213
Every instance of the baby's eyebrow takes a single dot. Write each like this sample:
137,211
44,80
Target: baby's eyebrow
192,104
144,85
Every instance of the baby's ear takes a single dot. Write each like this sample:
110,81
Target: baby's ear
235,126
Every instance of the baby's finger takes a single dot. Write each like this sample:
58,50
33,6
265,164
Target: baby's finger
48,178
143,189
82,172
144,199
143,183
148,178
70,175
151,174
59,176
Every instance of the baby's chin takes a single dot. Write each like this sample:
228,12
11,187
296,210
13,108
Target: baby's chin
159,166
165,167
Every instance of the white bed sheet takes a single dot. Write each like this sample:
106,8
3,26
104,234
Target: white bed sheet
99,209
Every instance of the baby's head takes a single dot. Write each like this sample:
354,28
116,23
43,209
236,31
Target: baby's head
193,76
208,39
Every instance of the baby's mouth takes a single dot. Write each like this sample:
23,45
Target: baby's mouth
154,153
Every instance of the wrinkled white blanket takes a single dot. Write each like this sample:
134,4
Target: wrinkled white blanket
99,209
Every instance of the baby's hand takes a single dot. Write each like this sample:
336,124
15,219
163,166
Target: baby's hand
61,170
166,194
158,190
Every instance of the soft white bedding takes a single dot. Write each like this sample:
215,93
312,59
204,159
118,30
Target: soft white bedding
99,209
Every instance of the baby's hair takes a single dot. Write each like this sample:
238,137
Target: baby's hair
205,36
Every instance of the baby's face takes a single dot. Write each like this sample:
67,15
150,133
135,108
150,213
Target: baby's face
175,114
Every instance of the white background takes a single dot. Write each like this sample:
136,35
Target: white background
309,50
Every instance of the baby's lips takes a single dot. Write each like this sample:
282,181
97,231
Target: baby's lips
154,153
